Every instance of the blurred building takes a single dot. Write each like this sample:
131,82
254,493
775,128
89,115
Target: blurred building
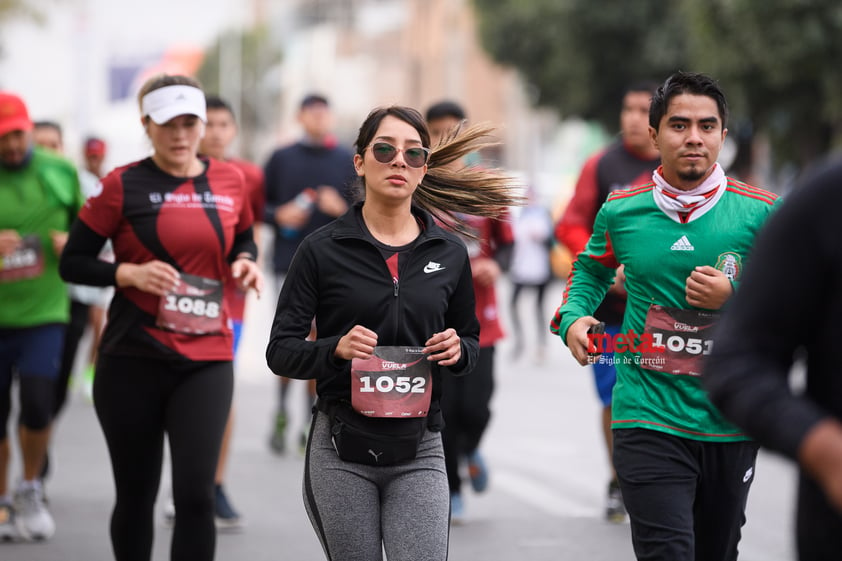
361,53
365,53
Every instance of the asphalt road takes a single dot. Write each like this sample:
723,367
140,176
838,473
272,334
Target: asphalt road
544,503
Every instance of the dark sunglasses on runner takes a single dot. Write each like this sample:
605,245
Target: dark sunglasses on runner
414,157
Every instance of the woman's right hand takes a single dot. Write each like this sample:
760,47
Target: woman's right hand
154,277
359,342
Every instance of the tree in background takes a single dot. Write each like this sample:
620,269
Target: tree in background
17,8
778,60
782,57
241,67
577,55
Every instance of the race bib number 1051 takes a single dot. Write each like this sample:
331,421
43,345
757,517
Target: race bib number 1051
681,339
395,382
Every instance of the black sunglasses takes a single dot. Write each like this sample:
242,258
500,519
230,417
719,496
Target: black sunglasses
414,157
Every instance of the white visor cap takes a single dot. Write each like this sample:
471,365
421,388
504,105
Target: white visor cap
169,102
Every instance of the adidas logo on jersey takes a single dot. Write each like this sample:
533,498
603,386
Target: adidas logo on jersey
683,244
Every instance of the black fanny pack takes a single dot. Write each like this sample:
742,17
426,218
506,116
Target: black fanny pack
372,440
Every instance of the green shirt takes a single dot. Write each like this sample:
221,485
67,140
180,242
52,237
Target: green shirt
41,197
658,254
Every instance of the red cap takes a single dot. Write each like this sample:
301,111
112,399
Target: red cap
94,146
13,114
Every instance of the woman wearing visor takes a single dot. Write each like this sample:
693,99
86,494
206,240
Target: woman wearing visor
178,224
393,301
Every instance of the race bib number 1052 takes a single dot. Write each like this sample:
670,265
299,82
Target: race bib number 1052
395,382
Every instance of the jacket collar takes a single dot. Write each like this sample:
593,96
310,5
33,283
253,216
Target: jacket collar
348,225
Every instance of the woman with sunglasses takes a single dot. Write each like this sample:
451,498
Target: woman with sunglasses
180,226
382,277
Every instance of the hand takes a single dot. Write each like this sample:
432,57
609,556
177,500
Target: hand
707,288
820,453
577,339
154,277
444,347
9,241
485,270
247,275
59,240
291,215
359,342
330,201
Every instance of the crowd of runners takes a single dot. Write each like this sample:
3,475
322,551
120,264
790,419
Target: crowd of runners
385,255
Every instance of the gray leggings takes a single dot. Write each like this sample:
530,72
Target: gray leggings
358,510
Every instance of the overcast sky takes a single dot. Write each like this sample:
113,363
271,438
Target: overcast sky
78,36
60,66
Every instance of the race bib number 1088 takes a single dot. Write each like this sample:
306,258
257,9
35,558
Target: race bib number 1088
194,307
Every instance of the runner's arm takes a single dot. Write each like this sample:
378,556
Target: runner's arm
243,245
590,278
461,316
80,263
290,353
576,224
273,188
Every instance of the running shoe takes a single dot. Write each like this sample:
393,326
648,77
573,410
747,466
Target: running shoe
457,509
8,531
32,519
277,442
615,509
477,471
226,517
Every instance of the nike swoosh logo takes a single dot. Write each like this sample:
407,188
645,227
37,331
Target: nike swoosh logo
748,475
432,267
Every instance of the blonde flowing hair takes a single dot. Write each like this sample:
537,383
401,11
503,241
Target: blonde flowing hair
450,189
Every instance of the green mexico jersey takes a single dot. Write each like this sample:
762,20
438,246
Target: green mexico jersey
658,385
35,200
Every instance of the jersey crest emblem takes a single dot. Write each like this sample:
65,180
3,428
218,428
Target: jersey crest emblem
731,264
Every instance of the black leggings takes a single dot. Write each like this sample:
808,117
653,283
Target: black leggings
137,401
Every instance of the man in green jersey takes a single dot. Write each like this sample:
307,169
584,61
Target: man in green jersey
39,198
682,238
